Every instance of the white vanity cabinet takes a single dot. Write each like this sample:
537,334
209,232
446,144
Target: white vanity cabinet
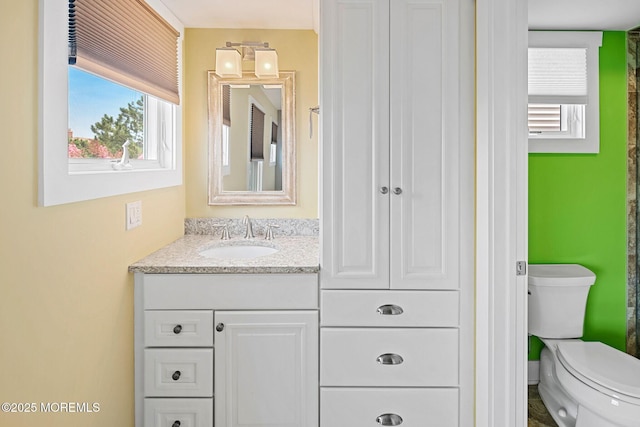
226,350
266,368
397,117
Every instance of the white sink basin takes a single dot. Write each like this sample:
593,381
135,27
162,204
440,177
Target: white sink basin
238,251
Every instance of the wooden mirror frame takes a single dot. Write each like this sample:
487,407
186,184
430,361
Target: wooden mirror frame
286,196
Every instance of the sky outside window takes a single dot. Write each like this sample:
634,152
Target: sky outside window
92,97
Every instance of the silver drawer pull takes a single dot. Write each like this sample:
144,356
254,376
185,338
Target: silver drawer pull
389,359
390,310
389,420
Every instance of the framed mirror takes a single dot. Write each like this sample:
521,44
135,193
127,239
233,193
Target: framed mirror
252,147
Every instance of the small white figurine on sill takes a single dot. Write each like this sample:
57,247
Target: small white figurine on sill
123,163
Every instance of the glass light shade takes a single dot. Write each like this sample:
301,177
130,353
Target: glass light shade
228,62
266,63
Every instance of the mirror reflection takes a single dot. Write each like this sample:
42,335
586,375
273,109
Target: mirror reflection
251,137
252,145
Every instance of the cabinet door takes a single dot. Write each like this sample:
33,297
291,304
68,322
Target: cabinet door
354,101
266,369
425,144
391,118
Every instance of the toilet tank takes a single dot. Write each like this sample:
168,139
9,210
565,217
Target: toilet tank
557,299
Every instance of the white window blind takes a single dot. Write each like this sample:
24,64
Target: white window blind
558,76
544,118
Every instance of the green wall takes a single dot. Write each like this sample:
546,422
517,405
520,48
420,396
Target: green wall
577,206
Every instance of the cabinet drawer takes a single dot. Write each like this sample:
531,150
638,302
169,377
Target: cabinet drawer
230,291
374,308
178,373
187,328
361,407
178,412
388,357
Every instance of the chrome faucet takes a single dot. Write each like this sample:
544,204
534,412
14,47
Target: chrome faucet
248,233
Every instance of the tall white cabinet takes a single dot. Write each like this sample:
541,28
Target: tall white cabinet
397,212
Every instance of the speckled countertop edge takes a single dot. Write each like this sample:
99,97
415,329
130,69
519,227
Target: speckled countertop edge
296,254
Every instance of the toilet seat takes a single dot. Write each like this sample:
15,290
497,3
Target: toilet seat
603,368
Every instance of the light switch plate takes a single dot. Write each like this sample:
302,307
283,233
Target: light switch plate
134,215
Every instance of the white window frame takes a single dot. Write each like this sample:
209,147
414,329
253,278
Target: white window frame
591,40
56,185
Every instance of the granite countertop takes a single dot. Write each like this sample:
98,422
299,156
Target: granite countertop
296,254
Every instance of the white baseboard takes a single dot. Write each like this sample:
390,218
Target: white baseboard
533,372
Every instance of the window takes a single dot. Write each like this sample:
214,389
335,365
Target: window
226,129
100,126
226,160
76,163
273,152
257,132
563,92
558,121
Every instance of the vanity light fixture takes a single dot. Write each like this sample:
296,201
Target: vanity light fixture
266,63
228,62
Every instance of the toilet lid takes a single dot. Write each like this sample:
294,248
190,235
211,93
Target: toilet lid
560,275
594,362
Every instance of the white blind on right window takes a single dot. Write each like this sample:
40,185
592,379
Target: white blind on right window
558,76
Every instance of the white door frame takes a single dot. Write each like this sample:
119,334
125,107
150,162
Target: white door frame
501,213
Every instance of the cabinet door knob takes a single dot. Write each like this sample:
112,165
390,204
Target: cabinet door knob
389,359
390,310
397,190
177,329
220,327
389,420
176,375
176,423
384,190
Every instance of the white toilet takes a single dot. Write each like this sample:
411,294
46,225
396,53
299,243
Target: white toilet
582,384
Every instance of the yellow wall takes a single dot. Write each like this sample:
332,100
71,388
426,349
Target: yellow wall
66,299
297,50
